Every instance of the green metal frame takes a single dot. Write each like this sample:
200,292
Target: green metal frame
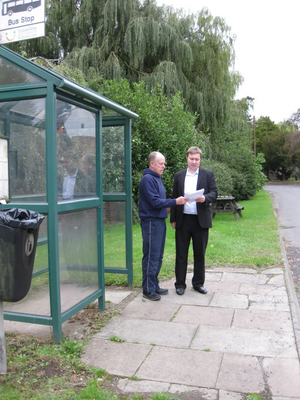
56,87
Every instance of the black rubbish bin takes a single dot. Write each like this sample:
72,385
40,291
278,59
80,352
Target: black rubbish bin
19,231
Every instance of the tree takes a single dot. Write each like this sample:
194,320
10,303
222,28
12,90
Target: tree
263,127
232,145
277,158
139,41
295,119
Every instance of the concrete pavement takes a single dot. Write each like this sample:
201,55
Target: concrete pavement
242,337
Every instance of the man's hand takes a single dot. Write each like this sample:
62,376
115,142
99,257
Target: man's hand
173,225
180,201
200,199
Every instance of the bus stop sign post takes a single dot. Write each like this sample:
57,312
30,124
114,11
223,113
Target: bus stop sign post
3,365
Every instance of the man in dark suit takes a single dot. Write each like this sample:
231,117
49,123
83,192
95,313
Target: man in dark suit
192,220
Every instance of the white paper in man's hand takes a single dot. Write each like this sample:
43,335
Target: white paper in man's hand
194,195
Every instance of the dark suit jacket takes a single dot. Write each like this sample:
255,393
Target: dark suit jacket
206,181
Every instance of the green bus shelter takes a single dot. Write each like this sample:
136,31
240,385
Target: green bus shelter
65,152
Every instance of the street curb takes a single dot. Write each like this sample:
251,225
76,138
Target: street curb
293,299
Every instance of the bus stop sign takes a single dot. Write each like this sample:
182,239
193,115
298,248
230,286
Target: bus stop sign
21,20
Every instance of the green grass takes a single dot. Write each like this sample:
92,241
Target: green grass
253,241
39,370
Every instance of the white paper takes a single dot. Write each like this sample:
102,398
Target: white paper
194,195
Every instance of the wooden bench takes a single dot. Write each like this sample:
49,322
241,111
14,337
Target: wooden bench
226,204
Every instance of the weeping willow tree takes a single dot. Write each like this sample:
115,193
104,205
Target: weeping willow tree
140,41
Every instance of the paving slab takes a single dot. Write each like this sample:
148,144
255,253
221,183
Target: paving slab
156,311
223,287
226,395
230,300
122,359
181,366
205,393
269,303
236,270
283,376
277,280
142,386
190,297
204,315
158,333
269,290
241,373
273,271
265,320
285,398
254,342
212,276
245,278
116,295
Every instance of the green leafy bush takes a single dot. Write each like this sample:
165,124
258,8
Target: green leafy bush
223,176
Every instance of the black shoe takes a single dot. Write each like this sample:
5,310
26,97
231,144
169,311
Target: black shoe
201,290
151,296
162,291
180,291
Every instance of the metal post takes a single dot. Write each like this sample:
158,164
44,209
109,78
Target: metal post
3,366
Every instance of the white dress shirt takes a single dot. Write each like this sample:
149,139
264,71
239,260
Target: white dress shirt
190,185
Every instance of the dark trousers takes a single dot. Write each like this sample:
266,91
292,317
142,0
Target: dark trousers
154,237
190,230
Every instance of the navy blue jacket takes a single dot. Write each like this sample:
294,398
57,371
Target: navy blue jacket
153,202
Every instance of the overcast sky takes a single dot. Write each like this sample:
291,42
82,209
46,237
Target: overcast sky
267,50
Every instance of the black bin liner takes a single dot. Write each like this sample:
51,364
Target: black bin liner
19,231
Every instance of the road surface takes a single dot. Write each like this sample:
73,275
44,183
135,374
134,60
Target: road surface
286,203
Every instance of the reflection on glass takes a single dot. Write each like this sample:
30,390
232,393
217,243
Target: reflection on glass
23,123
113,159
78,256
76,152
114,234
13,75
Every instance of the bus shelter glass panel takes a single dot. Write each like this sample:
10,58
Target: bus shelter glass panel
114,234
113,156
76,152
24,124
78,256
13,75
38,297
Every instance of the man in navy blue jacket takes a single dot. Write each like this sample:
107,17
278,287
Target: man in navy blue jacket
153,212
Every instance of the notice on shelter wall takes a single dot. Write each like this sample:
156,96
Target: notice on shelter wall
4,190
21,20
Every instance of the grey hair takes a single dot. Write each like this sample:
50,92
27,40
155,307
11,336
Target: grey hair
153,156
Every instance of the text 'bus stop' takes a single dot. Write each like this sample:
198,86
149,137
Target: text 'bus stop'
65,152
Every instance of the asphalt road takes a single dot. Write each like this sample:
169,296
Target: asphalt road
286,203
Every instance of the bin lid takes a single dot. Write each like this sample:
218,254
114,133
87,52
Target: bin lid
20,218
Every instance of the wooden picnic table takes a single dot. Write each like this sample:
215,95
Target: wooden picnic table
226,204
